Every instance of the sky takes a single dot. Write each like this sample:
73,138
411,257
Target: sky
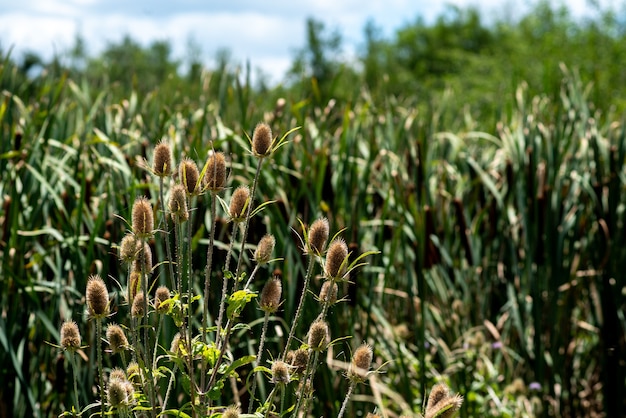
266,33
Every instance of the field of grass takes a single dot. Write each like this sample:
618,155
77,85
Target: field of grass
499,248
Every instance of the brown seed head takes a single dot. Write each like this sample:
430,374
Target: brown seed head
328,292
445,407
231,412
263,252
116,394
300,360
270,295
262,140
189,174
117,338
133,372
239,203
143,217
137,310
280,372
361,362
162,294
162,164
438,393
318,235
97,297
128,248
146,257
70,336
215,175
177,204
134,281
337,253
117,374
319,335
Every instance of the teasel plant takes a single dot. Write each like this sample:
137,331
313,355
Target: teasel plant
97,298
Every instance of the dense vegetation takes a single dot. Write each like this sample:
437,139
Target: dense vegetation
486,163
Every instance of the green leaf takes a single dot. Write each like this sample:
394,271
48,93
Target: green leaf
237,301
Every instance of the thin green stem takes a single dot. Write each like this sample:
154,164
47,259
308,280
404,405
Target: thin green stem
307,278
220,315
258,360
164,228
169,388
346,399
207,281
156,341
75,374
99,360
146,327
189,269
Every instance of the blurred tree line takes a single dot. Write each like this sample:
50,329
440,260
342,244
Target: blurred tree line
481,62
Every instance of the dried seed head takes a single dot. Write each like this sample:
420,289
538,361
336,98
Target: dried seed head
337,253
446,404
319,336
117,338
137,309
162,294
97,297
162,164
177,204
146,257
70,336
299,360
231,412
328,292
280,372
361,362
128,248
117,394
270,295
239,203
189,174
215,175
143,217
175,346
134,282
438,394
263,252
133,372
117,374
262,140
318,235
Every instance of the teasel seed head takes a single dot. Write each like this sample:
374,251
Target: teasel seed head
441,400
117,374
143,217
70,336
162,294
280,373
177,204
116,394
262,140
328,292
128,248
299,360
189,174
239,203
136,310
370,415
231,412
134,281
175,346
264,249
319,335
318,235
361,362
134,373
146,257
270,295
97,297
117,339
215,175
337,253
162,164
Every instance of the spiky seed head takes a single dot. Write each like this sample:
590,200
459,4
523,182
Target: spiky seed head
133,372
146,257
446,407
319,335
116,394
270,295
280,372
239,203
70,336
361,362
438,393
289,357
117,339
177,204
142,217
328,292
175,346
117,374
128,248
231,412
130,392
137,309
264,250
299,360
215,175
189,174
162,294
134,282
262,140
337,253
162,164
318,235
97,297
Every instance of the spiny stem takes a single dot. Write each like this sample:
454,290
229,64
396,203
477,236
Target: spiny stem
169,388
307,278
207,281
188,269
75,373
220,315
164,224
346,399
99,360
146,329
258,360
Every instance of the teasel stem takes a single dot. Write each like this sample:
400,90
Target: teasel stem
207,281
75,374
308,377
156,341
146,327
99,360
307,278
346,399
134,342
258,360
220,315
222,350
168,247
169,388
270,401
254,272
188,268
